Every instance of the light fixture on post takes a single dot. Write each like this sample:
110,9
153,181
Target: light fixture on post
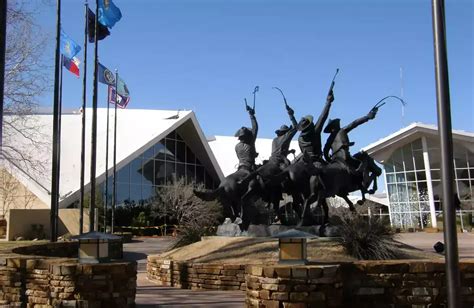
96,247
292,246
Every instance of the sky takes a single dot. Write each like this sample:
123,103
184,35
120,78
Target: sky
208,55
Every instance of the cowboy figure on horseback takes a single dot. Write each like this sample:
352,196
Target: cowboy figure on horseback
310,136
281,143
245,149
338,143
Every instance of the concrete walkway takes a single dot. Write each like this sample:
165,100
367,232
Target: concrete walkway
151,295
426,241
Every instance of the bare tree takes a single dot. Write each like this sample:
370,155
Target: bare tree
26,79
193,216
13,195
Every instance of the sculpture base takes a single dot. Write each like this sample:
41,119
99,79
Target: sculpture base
231,229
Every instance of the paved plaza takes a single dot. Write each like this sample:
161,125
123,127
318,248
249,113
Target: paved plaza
151,295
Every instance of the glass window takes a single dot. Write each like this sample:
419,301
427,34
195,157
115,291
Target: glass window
171,135
178,137
147,192
148,153
122,192
136,171
180,151
462,173
209,182
190,174
408,158
135,193
435,174
190,157
421,176
400,177
180,171
390,178
389,167
417,145
170,172
123,174
423,191
392,192
419,162
411,176
200,174
171,149
160,173
160,150
402,193
397,160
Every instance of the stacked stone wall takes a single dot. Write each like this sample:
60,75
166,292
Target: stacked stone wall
54,282
399,283
188,275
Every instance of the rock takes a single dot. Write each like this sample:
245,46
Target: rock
258,231
228,229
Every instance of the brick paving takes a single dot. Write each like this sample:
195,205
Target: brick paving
151,295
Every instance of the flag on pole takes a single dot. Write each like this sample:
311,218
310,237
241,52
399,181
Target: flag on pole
109,14
107,77
102,31
122,101
68,47
72,65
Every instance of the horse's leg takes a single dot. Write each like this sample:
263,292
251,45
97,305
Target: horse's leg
325,207
374,184
348,201
314,195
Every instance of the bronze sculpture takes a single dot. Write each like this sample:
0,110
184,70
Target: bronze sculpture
313,176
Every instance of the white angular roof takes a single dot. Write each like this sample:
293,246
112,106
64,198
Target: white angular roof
137,130
223,148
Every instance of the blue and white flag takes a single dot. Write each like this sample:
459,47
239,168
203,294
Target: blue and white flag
109,14
68,47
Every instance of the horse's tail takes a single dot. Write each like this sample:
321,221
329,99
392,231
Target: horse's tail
208,194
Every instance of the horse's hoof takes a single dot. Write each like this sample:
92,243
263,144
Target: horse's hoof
352,209
371,191
360,202
238,221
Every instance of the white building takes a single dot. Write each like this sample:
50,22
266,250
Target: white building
411,159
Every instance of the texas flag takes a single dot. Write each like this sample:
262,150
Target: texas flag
72,65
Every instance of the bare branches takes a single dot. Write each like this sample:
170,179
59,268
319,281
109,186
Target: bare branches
26,79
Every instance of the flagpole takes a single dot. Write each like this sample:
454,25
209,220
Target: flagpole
446,146
106,168
83,130
3,39
94,124
112,223
55,156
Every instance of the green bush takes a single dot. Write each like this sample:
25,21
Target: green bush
367,238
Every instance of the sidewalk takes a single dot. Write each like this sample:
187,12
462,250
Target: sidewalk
425,241
151,295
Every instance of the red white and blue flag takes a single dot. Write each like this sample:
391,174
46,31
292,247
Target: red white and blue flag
72,65
121,101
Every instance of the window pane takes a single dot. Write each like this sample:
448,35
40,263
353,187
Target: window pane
159,172
190,174
123,174
390,178
421,176
190,158
135,171
410,176
199,175
135,194
392,192
419,163
122,193
160,150
400,177
397,160
389,167
178,137
408,158
148,172
171,135
417,145
171,149
148,153
180,171
180,152
170,172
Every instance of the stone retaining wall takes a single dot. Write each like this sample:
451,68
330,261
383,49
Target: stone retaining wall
40,282
188,275
400,283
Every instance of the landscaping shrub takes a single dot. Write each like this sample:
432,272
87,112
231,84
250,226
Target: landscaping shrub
192,216
367,238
